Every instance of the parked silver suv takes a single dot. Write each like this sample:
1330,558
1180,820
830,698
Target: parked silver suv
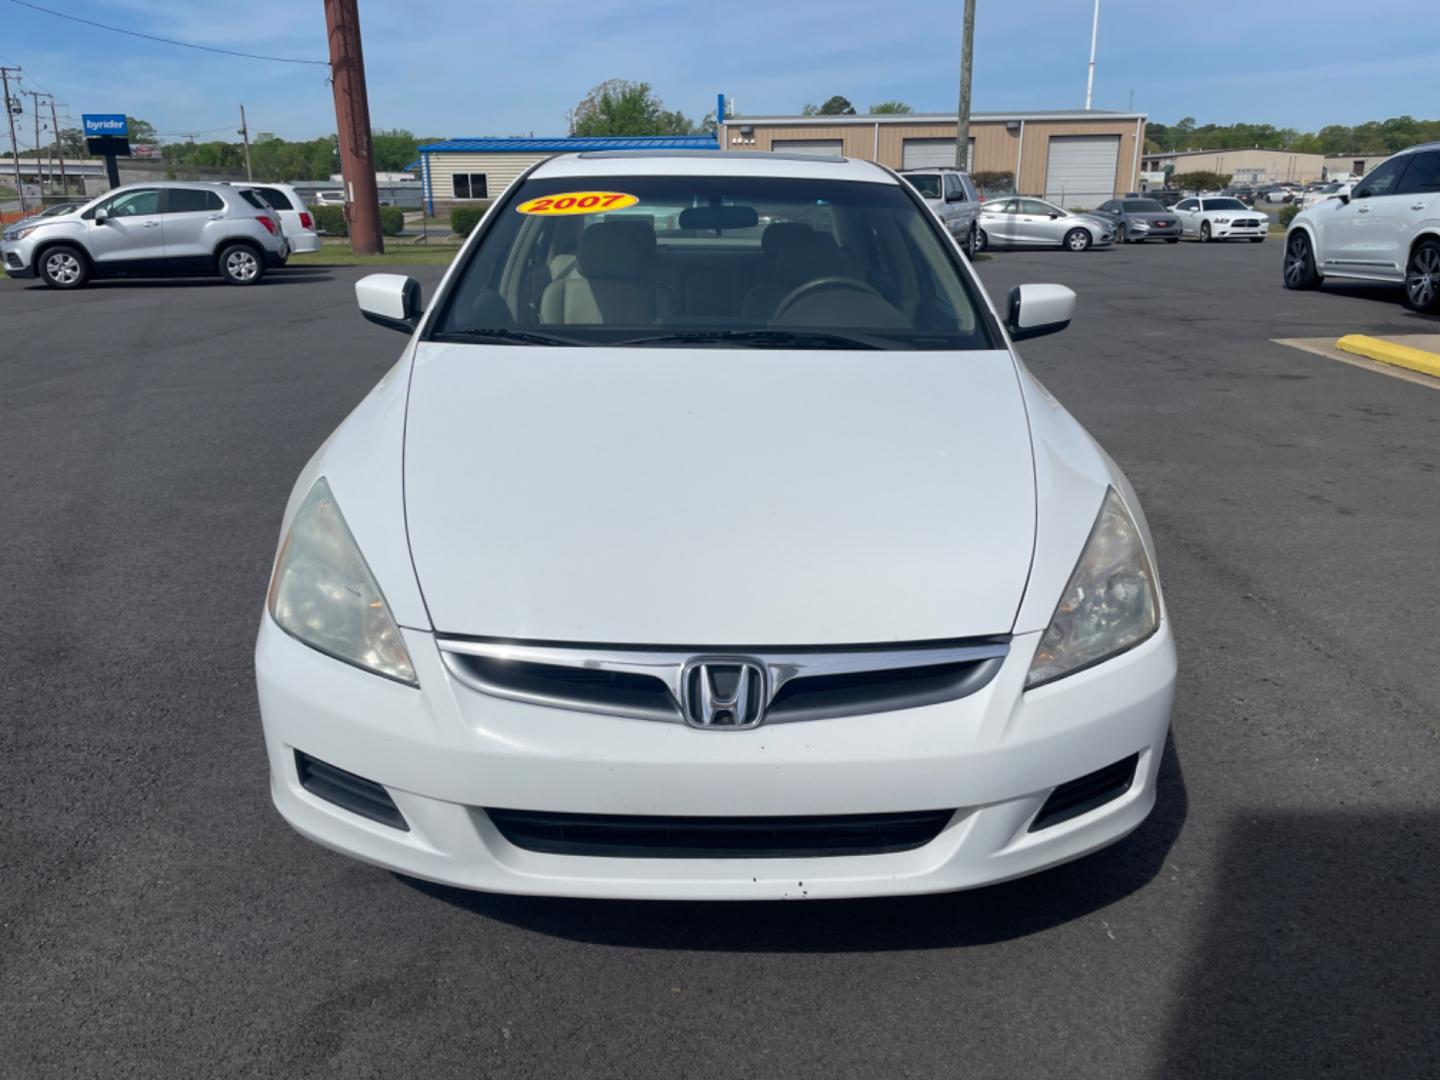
162,228
951,194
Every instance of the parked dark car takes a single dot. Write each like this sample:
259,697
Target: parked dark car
1164,196
1141,219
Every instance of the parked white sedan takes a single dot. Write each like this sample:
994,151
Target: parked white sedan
682,556
1221,218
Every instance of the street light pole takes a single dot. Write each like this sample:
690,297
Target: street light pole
1094,33
962,119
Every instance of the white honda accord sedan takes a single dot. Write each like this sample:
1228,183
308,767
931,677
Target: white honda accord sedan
710,540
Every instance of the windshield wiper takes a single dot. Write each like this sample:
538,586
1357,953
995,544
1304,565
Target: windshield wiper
760,339
504,336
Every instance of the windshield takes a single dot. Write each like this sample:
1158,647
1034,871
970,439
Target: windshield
762,262
1224,204
1143,206
63,208
927,184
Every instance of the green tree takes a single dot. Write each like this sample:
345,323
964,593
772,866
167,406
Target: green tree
836,106
72,143
1199,180
620,107
397,148
891,108
142,131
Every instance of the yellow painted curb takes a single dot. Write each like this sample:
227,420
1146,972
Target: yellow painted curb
1387,352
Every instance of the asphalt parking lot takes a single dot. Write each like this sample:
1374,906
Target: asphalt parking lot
1275,916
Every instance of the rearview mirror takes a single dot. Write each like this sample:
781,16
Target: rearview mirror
101,216
719,217
390,300
1037,310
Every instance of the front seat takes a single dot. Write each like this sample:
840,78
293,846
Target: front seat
801,254
609,286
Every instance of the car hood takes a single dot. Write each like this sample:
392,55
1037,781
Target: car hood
1150,215
718,496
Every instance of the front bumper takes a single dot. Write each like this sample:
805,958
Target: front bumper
1151,232
445,752
15,256
1232,231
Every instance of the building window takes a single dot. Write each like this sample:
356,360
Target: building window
470,185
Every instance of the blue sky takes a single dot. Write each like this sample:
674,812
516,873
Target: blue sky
445,67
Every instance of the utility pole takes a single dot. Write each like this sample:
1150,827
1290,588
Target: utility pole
59,148
352,114
1094,33
962,120
245,136
35,97
5,73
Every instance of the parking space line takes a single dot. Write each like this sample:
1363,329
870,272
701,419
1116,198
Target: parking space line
1326,347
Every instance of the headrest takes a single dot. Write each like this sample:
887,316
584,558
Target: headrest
614,249
642,229
775,235
807,256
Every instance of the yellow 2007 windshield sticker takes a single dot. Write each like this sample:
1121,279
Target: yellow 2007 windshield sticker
578,202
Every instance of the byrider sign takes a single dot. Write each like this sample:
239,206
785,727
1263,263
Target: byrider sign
114,125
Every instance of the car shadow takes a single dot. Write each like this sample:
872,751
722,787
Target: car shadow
1321,952
978,917
286,276
1389,295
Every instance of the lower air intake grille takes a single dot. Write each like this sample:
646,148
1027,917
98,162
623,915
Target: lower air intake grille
1080,796
635,837
346,790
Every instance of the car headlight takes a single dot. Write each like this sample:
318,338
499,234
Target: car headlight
20,234
1222,221
323,594
1109,604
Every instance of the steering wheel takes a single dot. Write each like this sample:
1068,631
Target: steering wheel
824,284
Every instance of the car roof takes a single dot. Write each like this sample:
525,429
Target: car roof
184,183
712,163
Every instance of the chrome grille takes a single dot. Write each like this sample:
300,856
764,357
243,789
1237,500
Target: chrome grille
657,683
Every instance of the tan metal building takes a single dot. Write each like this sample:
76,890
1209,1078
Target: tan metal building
1071,157
1351,166
1256,165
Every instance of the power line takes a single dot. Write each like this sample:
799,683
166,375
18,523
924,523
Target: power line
169,41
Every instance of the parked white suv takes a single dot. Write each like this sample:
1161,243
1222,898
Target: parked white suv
290,208
147,229
1387,229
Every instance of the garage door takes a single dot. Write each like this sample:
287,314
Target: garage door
932,153
819,147
1081,169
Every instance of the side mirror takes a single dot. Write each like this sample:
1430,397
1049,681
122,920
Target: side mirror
1053,215
1037,310
390,300
954,196
101,216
